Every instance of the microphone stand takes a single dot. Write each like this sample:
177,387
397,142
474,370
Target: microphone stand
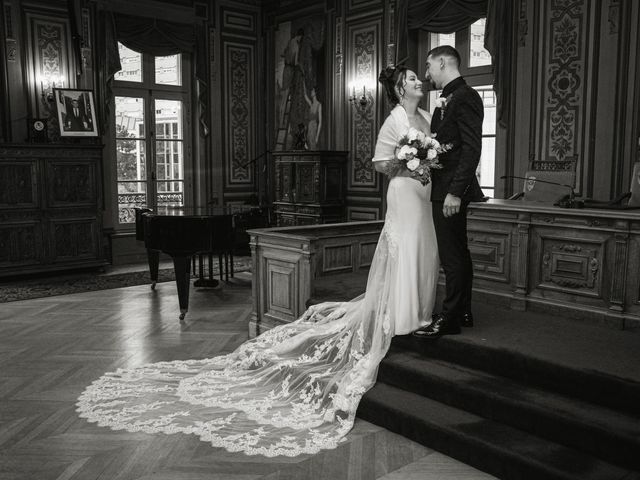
256,159
266,186
564,202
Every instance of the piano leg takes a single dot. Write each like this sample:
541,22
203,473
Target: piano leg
205,282
153,257
182,269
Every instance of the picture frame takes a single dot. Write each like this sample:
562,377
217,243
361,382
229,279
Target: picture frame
76,112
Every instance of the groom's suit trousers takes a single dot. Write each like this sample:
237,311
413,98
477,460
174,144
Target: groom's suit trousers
455,259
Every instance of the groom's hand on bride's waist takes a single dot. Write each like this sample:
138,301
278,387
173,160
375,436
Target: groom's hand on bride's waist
451,205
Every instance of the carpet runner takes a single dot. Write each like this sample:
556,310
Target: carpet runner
46,286
520,396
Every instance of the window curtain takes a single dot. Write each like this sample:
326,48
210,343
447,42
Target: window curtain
447,16
158,38
499,40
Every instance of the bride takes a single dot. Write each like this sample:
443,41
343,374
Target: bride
295,389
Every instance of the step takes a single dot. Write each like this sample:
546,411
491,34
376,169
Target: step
597,430
498,449
533,362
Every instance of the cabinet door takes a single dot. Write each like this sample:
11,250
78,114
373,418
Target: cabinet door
307,182
20,244
284,182
73,239
18,185
71,183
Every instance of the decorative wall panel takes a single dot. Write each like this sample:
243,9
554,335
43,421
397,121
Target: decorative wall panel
364,65
11,44
360,214
238,20
360,4
565,79
239,61
49,52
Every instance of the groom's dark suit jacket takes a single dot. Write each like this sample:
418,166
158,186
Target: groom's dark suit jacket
461,125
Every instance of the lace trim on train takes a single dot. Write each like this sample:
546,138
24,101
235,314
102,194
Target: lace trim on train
309,406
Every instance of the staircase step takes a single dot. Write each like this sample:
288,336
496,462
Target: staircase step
597,430
498,449
570,373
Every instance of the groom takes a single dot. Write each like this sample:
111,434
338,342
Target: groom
457,120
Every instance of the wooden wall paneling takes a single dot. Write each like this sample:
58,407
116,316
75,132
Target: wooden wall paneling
606,109
239,99
215,163
49,54
239,108
364,54
5,28
340,93
356,6
627,138
526,93
15,50
565,80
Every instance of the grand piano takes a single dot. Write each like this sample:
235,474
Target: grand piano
182,232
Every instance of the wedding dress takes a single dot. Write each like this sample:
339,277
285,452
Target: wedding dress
294,389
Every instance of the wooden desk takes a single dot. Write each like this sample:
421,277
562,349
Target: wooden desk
583,263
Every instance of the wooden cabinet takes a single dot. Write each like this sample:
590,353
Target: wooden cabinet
50,208
310,187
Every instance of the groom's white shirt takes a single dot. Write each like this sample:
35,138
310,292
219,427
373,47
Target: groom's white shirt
395,126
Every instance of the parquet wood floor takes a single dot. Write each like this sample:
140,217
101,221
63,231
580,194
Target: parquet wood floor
52,348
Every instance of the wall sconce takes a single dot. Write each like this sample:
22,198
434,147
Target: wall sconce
48,83
360,93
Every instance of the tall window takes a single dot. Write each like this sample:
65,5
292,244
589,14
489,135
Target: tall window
151,102
476,68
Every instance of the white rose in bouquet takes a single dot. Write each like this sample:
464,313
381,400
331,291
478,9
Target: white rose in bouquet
431,154
407,153
432,143
413,164
412,134
422,137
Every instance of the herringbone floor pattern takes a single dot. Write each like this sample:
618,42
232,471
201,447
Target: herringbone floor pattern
51,348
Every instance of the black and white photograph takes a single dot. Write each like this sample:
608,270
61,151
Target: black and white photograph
76,112
320,240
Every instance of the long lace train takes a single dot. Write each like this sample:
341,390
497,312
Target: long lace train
294,389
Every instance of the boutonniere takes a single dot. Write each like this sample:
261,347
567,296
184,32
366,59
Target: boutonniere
441,103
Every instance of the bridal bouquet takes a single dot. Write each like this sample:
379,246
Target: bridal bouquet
418,153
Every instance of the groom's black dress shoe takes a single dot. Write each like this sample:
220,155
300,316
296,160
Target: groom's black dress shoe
440,326
466,320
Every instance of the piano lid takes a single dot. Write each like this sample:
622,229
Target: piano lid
198,211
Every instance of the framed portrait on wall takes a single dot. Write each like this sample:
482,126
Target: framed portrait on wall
76,112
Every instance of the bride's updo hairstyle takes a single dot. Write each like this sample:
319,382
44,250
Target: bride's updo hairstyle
393,80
